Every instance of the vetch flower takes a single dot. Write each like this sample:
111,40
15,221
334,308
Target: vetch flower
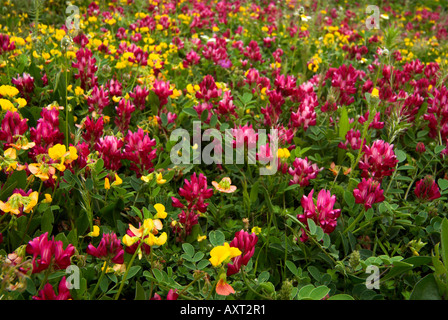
109,249
48,293
245,242
368,192
322,213
426,189
49,253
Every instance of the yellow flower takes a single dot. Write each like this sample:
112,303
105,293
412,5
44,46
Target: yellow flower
375,93
57,152
147,178
152,240
8,91
21,102
17,203
256,230
41,170
161,213
223,253
48,198
95,232
283,153
7,105
117,181
106,183
201,238
160,179
79,91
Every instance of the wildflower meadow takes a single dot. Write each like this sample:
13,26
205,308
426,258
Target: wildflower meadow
223,150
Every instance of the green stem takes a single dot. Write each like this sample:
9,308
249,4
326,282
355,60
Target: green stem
246,282
127,270
103,272
360,215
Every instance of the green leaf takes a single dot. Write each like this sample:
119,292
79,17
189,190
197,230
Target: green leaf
443,184
263,276
314,272
312,226
292,267
349,198
216,238
158,275
139,292
426,289
444,241
401,155
439,149
190,111
341,297
305,291
319,293
188,248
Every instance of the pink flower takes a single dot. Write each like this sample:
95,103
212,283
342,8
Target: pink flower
368,192
303,171
163,91
246,242
124,112
353,138
208,89
51,253
12,126
93,130
47,293
98,99
6,44
109,148
171,295
109,248
25,85
138,96
378,160
139,149
85,63
420,148
426,189
322,213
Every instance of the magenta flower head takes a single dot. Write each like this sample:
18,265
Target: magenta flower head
98,99
322,213
163,91
426,189
246,242
368,192
208,89
138,96
195,192
140,150
47,293
124,112
49,253
6,44
12,126
25,85
93,130
420,148
109,249
109,148
302,171
378,160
